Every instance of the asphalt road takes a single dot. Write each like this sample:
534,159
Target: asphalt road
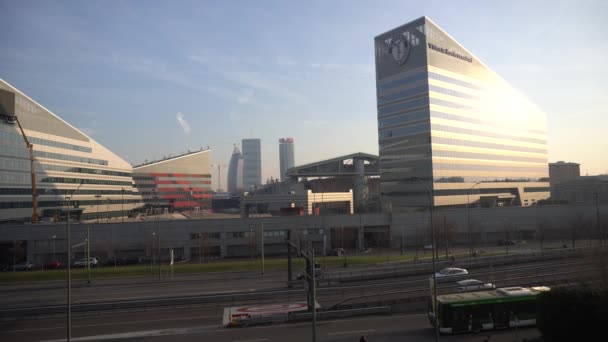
197,325
24,295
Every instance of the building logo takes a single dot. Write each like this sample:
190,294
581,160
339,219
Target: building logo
399,48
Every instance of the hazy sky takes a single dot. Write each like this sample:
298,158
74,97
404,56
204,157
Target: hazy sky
122,70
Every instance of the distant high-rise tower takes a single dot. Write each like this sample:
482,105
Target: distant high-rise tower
235,171
286,156
252,163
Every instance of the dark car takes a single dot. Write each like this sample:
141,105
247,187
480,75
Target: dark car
337,252
122,261
507,242
23,266
53,265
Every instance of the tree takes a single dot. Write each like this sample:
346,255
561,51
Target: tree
572,314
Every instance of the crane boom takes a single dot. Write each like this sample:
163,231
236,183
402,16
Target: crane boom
30,146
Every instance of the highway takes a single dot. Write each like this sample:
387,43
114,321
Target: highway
196,325
201,320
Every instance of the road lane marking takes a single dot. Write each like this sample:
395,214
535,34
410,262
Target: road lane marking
351,332
259,339
114,323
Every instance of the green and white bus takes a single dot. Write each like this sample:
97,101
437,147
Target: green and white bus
486,310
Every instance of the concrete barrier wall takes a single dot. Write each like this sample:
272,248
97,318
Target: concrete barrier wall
240,237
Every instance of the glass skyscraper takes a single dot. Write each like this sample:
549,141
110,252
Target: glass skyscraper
235,171
252,163
286,156
447,120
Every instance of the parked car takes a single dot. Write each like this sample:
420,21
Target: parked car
53,265
83,262
507,242
23,266
451,272
337,252
428,247
122,261
468,285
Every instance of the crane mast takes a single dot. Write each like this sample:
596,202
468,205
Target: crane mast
32,173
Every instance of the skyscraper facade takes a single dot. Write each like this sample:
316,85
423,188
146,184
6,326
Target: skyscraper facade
252,163
235,171
451,132
286,155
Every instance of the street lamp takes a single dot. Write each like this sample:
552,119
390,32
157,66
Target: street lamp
54,237
469,218
434,294
69,244
97,213
122,202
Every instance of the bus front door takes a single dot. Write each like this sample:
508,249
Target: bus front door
501,317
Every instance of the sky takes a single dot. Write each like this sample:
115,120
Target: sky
149,79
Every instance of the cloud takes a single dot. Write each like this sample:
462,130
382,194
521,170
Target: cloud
182,122
88,131
316,123
246,97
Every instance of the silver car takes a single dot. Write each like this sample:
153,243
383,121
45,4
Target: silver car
83,262
451,272
469,285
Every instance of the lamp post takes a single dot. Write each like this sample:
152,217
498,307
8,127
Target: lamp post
54,237
153,261
434,294
69,244
122,202
199,248
469,219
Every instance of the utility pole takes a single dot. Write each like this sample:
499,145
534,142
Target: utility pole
122,202
289,265
88,255
313,284
262,248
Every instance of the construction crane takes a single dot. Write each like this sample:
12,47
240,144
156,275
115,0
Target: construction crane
32,173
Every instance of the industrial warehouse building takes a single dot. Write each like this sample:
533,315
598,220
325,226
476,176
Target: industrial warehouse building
67,162
450,126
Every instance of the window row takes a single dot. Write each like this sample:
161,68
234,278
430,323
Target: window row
401,119
455,117
405,106
454,81
74,203
83,181
403,94
505,168
62,192
474,132
451,92
52,167
10,136
401,81
21,151
401,131
469,143
487,156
